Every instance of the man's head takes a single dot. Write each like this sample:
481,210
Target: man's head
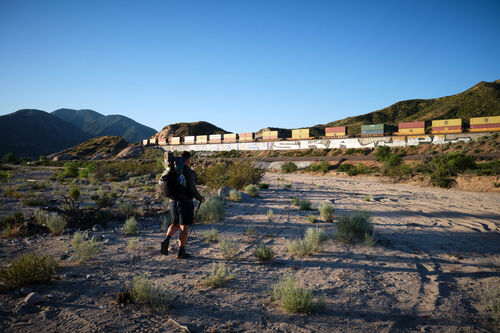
187,156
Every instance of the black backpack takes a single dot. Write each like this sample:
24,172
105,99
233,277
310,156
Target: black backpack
170,186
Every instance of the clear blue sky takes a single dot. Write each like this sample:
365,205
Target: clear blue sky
242,65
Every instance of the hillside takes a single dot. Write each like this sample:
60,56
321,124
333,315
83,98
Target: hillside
483,99
187,129
103,147
33,133
96,124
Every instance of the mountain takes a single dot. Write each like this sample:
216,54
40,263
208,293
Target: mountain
483,99
103,147
97,124
33,133
188,129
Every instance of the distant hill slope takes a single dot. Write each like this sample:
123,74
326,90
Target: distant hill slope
33,133
483,99
103,147
187,129
97,124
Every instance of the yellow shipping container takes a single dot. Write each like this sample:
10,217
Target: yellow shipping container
411,131
485,120
229,136
446,131
490,129
300,133
334,134
175,140
270,134
447,122
201,139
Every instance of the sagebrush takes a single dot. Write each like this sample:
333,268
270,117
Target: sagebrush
145,293
217,277
28,269
212,210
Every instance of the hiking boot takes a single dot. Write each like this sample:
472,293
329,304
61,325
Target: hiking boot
182,253
164,247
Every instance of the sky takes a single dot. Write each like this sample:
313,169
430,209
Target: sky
239,64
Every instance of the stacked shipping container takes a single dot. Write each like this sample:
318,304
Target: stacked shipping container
246,137
153,141
175,140
230,138
270,135
300,133
485,124
215,138
145,142
446,126
411,128
202,139
189,139
162,141
335,131
377,130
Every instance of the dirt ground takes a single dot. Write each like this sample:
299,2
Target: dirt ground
438,251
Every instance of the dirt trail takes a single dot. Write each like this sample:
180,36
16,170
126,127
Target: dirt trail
438,250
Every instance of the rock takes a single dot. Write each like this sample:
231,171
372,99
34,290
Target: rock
24,308
49,313
129,152
224,191
50,296
64,157
97,228
70,275
88,235
25,291
63,256
90,276
33,298
67,231
109,236
97,238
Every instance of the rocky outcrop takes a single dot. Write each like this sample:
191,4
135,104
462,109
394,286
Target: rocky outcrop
129,152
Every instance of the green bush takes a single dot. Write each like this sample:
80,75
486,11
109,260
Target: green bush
236,174
234,195
131,227
304,204
382,153
252,190
11,158
71,170
83,249
355,227
263,252
217,277
127,208
10,221
488,168
295,201
251,231
444,167
35,200
293,298
270,215
491,295
210,236
212,210
28,269
229,248
263,186
326,211
5,176
288,167
155,298
310,244
311,218
56,223
322,166
345,167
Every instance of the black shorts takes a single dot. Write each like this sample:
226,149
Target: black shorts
181,212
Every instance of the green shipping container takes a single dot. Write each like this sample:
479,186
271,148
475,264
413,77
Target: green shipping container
373,127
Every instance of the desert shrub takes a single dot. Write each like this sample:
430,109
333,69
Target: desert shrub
322,166
131,227
11,158
371,239
127,208
10,221
263,186
28,269
311,243
304,204
355,227
12,193
293,298
263,252
5,176
488,168
234,195
359,169
326,211
88,169
74,192
144,292
252,190
444,167
295,201
491,295
211,235
41,216
382,153
70,170
217,277
345,167
270,215
104,199
311,218
35,200
243,173
251,231
212,210
56,223
132,244
229,248
288,167
43,185
83,249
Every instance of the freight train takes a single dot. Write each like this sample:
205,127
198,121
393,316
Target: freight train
444,126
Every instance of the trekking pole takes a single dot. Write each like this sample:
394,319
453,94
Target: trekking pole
194,218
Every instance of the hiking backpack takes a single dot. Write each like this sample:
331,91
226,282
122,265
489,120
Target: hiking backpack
173,184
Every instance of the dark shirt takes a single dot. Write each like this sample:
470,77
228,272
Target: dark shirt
191,192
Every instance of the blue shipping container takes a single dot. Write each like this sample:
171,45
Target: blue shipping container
372,132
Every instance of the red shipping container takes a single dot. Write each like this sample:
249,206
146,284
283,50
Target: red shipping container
335,129
485,126
412,124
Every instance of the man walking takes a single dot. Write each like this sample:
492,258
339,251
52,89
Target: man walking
181,210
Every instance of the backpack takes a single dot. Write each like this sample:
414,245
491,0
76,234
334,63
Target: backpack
173,184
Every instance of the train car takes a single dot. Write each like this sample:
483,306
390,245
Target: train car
162,141
446,126
485,124
145,142
215,138
411,128
153,141
229,138
246,137
377,130
175,140
189,140
300,134
202,139
335,132
270,136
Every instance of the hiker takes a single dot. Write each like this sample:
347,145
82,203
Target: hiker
181,209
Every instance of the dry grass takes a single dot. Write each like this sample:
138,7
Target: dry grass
28,269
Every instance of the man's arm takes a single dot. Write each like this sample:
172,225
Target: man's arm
192,186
